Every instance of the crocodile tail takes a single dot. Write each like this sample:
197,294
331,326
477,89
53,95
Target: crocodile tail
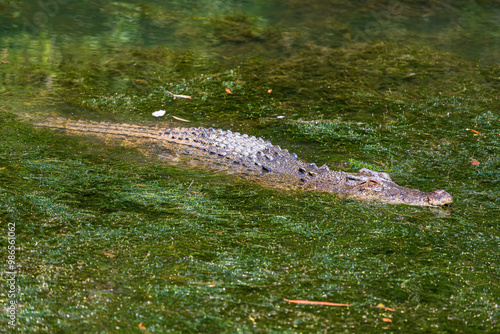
103,128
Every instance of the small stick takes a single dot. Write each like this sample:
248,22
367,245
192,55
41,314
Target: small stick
180,119
311,302
178,96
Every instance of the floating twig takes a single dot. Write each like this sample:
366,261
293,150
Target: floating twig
180,119
175,96
312,302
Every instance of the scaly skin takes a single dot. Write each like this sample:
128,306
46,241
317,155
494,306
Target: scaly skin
245,154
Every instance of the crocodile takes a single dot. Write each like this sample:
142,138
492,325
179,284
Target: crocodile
248,154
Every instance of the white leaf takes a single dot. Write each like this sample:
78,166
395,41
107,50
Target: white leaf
159,113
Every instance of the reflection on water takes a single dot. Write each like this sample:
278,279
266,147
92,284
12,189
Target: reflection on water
241,28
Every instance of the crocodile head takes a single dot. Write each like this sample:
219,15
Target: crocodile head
395,194
368,184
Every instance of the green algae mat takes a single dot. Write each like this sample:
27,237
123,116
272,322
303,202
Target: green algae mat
101,236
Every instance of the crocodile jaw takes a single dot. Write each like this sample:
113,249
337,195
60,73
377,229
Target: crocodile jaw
399,195
368,184
415,197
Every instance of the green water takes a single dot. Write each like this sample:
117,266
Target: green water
111,240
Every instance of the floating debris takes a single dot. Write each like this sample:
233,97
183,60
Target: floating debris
175,96
314,302
180,119
159,113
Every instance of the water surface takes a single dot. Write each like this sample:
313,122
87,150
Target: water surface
109,239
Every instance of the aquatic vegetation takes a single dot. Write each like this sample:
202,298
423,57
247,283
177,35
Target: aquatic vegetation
111,239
